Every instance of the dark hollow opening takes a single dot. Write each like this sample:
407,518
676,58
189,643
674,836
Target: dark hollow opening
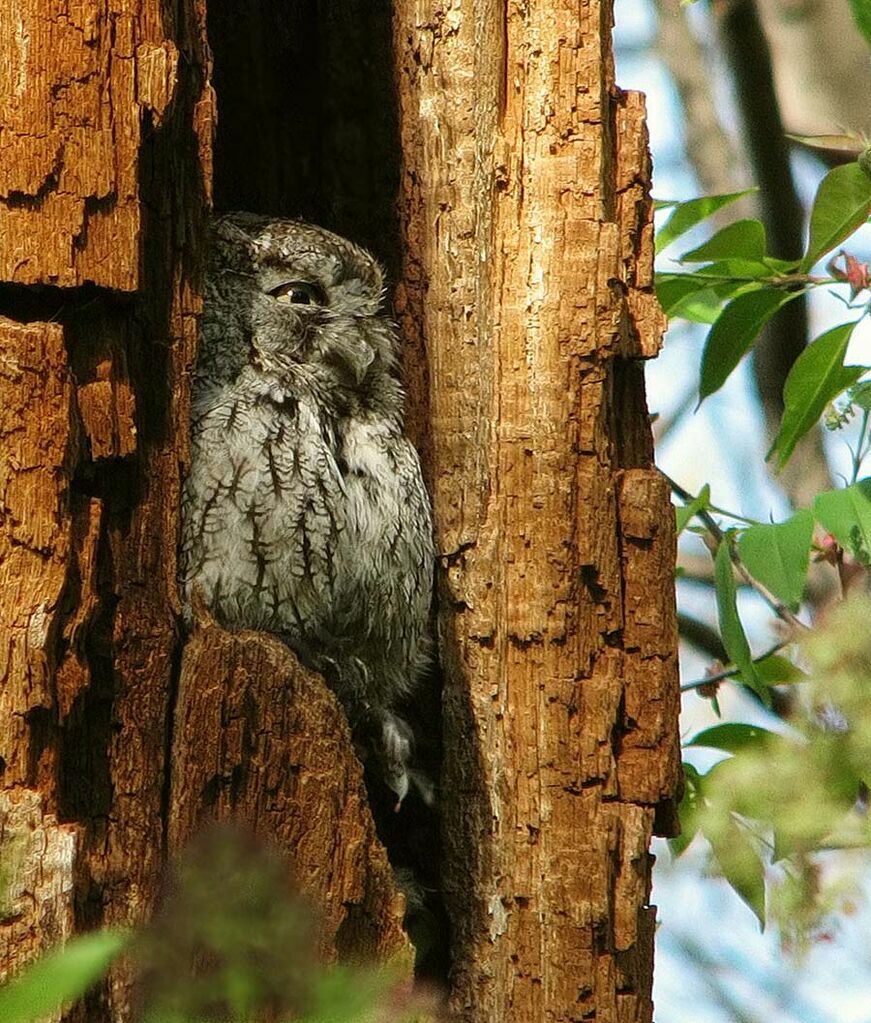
307,122
308,129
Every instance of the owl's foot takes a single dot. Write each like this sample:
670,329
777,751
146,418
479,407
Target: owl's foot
397,746
395,754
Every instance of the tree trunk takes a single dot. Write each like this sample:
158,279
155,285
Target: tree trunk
526,299
527,292
106,132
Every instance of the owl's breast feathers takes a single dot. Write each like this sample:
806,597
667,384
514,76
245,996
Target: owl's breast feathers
308,525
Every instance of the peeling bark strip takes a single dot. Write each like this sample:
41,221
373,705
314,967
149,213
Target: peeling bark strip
527,285
37,449
38,871
69,135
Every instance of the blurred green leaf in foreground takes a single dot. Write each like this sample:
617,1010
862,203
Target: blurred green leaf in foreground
231,942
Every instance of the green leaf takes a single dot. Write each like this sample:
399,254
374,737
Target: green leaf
740,864
783,845
706,304
776,670
731,629
690,804
731,737
846,514
672,288
842,142
860,395
696,298
778,555
744,270
862,16
703,306
342,994
685,512
734,332
60,977
687,214
842,204
817,377
745,239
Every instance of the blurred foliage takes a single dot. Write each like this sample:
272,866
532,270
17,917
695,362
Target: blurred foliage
785,798
230,943
862,15
59,978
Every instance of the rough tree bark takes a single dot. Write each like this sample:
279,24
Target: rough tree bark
526,299
527,289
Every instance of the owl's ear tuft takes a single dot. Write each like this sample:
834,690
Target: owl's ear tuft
230,228
234,245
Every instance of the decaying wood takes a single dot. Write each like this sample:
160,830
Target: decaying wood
71,120
259,739
38,442
527,293
95,436
37,872
526,297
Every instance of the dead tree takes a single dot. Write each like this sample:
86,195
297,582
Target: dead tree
484,153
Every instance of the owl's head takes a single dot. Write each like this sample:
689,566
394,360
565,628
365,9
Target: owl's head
285,298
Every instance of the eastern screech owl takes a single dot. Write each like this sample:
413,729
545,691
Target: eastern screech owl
305,513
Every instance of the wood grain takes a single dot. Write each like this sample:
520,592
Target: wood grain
527,296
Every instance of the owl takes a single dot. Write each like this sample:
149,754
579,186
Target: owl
304,512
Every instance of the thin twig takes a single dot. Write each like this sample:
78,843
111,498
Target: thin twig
685,495
728,673
776,605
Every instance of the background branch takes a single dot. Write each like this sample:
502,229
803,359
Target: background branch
748,58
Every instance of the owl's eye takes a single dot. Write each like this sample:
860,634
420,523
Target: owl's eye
298,293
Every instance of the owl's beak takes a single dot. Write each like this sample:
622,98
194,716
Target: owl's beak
362,364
